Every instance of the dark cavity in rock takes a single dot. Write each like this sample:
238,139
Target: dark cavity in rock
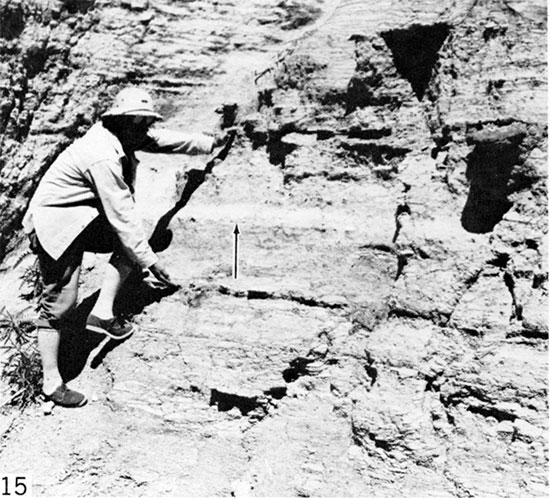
415,50
298,368
12,24
228,401
491,176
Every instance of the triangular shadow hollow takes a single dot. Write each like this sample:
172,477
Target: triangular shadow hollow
415,51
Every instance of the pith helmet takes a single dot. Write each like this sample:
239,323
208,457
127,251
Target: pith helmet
133,102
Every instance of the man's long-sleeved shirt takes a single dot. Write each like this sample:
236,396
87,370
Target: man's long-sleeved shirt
95,176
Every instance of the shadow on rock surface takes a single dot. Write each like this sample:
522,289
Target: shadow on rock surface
415,51
162,235
483,210
136,295
77,343
495,171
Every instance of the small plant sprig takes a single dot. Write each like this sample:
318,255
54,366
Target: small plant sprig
22,366
31,279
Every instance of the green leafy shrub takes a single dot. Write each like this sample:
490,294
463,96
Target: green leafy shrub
22,367
31,282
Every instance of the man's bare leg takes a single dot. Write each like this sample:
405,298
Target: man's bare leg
48,346
53,386
116,274
59,295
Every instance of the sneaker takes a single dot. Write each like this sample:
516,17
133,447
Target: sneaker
110,327
63,396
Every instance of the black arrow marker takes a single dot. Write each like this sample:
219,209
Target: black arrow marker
236,251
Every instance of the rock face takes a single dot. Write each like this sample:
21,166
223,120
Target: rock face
388,333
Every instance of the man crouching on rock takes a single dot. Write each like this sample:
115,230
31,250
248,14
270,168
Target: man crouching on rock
85,202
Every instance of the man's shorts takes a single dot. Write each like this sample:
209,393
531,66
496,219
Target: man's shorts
60,277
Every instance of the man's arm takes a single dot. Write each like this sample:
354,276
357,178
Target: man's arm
119,208
161,140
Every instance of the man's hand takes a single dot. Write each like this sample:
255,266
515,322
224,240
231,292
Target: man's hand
162,276
221,138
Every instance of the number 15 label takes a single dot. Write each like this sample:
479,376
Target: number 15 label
15,485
